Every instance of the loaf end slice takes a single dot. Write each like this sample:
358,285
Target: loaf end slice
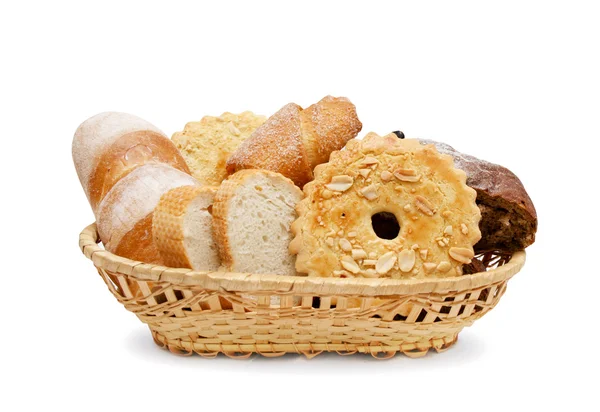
252,215
182,228
125,215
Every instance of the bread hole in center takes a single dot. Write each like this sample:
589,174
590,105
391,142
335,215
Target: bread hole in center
385,225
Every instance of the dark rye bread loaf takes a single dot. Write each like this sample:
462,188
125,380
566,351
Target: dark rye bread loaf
508,217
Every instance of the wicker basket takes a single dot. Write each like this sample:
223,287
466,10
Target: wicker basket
239,314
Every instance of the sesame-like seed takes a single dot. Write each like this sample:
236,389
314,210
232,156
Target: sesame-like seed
349,264
369,262
340,183
370,273
358,254
429,267
386,176
444,266
345,245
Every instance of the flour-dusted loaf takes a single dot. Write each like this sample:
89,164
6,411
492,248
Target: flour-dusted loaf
124,216
109,145
293,141
508,217
252,215
182,228
206,145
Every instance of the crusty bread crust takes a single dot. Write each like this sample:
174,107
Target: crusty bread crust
220,210
277,146
123,213
293,141
508,216
168,223
207,144
436,210
327,126
97,134
125,154
137,244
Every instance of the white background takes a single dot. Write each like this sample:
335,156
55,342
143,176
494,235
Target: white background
515,83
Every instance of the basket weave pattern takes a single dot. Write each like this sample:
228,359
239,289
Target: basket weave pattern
240,314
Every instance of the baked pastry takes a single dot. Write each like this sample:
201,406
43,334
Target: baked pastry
206,145
182,228
508,217
252,214
293,141
385,207
124,217
107,146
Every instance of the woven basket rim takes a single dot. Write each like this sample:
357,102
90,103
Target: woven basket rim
292,285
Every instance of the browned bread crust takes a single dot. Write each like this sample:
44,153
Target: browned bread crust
293,141
508,217
437,218
137,244
124,216
169,225
207,144
128,152
276,146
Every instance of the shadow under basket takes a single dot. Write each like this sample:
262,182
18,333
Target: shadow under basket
239,314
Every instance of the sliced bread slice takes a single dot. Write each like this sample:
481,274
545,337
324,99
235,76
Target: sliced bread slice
182,228
252,215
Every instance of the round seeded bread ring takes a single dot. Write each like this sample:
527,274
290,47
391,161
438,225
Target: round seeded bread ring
385,207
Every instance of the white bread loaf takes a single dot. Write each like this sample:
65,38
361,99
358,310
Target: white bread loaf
252,215
109,145
182,228
124,216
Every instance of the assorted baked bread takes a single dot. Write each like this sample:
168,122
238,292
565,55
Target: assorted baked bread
108,146
296,194
206,145
508,217
416,190
252,213
124,217
182,228
293,141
